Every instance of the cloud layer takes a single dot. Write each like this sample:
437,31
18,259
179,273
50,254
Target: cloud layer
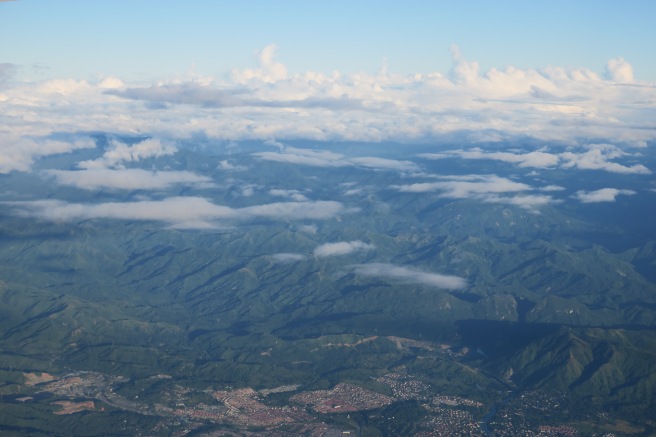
571,106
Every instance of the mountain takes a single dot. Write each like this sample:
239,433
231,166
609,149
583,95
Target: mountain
312,267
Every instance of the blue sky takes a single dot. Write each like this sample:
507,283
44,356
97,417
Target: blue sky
148,39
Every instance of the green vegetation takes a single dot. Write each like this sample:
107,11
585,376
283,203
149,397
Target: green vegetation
550,304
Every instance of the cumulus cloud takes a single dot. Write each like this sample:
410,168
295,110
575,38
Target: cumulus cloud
341,248
179,212
410,275
127,179
119,153
618,70
269,71
602,195
567,106
463,71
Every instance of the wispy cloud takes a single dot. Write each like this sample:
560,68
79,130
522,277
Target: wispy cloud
467,186
325,158
179,212
485,188
341,248
410,275
602,195
529,159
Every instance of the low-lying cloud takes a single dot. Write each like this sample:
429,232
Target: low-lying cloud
119,153
463,187
341,248
178,212
602,195
325,158
287,258
485,188
589,157
410,275
127,179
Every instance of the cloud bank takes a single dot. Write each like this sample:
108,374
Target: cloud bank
178,212
569,106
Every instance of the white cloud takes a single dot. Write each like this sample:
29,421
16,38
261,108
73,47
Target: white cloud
467,186
410,275
555,105
290,194
127,179
325,158
269,71
486,188
597,158
119,153
19,153
227,165
288,257
593,157
383,163
552,188
308,229
463,71
602,195
180,212
530,202
618,70
341,248
530,159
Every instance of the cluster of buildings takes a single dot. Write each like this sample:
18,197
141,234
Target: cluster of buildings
342,398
